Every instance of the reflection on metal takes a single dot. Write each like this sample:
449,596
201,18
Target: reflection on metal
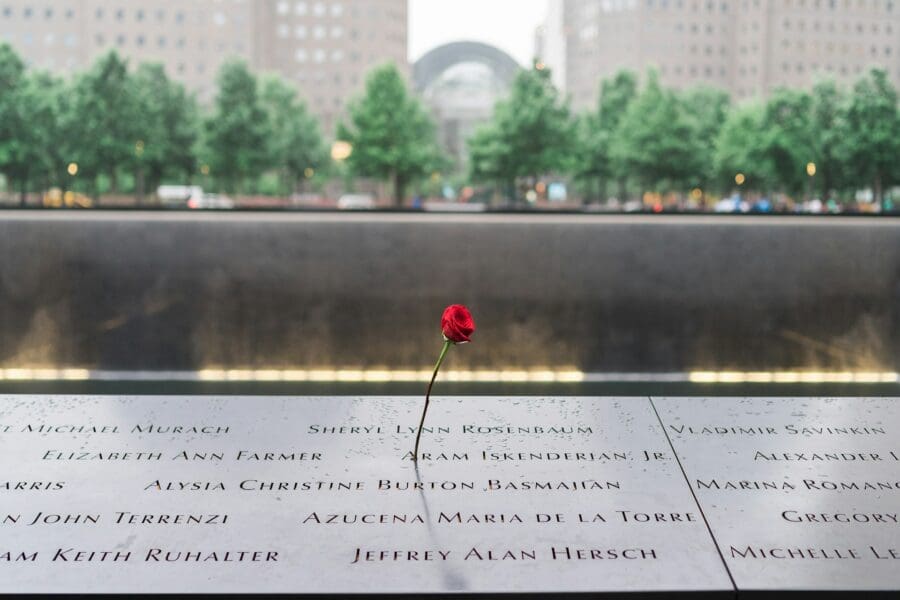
792,377
539,375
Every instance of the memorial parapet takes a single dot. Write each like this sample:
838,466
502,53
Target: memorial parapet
800,493
509,495
321,495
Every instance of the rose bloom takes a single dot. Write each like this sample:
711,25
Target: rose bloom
457,324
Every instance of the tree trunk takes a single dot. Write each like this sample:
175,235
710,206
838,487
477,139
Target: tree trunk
113,182
622,191
878,191
139,184
23,192
94,191
399,191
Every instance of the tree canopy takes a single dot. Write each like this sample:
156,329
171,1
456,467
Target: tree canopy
392,135
238,131
531,133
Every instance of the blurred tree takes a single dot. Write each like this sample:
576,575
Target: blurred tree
706,110
297,149
392,136
828,105
616,95
531,134
871,133
12,71
740,148
53,129
12,119
107,123
237,133
654,141
490,155
167,127
593,164
596,131
789,143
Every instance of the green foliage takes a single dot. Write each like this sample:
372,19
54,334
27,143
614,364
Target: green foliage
871,133
237,133
654,141
740,147
531,133
107,126
167,122
12,72
56,130
121,126
789,143
21,113
827,124
296,147
392,135
595,131
706,110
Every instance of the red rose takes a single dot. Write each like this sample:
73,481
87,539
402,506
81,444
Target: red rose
457,324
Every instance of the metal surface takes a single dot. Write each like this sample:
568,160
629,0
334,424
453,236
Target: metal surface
617,514
801,494
187,292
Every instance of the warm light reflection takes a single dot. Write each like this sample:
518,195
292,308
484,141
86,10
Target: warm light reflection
385,375
793,377
29,374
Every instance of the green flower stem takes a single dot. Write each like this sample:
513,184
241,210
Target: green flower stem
437,367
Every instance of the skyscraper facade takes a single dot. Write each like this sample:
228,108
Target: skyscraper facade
324,46
747,47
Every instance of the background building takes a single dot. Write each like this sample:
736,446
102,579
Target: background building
461,83
747,47
550,42
325,46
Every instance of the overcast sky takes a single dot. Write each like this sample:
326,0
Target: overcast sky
507,24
